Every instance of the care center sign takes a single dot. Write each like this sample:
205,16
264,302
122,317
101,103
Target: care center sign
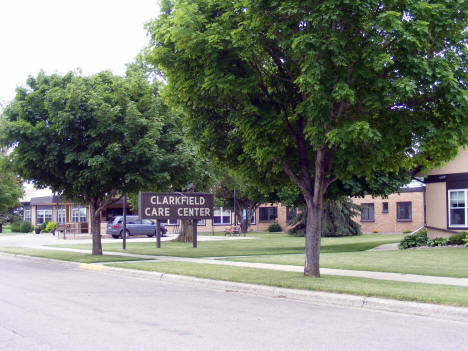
175,205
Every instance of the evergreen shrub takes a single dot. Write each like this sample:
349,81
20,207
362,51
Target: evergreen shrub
25,227
274,227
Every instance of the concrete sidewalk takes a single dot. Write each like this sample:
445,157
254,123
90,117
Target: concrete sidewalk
401,277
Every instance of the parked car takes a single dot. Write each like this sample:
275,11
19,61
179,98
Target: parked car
135,226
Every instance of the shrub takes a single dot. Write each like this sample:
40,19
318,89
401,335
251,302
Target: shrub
25,227
43,226
466,241
457,239
15,227
437,242
50,227
407,231
274,227
414,240
375,231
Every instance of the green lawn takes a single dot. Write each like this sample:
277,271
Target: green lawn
6,228
66,255
447,262
440,294
261,244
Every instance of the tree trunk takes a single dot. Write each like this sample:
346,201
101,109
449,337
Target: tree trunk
245,223
314,201
95,219
313,234
244,226
186,231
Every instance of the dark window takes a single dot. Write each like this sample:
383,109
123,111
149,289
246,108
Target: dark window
367,214
384,207
404,211
290,213
267,214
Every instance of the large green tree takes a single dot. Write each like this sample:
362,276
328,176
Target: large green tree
11,189
325,92
92,139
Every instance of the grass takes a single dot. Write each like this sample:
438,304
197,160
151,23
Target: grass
439,294
6,231
66,255
6,228
260,244
447,262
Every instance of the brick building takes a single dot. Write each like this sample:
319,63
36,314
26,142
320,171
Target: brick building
399,212
41,209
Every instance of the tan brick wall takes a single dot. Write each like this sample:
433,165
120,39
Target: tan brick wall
387,222
436,205
438,233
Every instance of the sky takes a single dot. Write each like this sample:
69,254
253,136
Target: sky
64,35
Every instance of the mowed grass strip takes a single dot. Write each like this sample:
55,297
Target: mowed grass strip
66,255
260,244
439,294
446,262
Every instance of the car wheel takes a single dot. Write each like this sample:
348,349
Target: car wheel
150,235
127,232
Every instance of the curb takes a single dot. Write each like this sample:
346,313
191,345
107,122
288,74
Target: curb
453,313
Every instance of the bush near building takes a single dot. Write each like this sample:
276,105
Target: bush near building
420,239
275,227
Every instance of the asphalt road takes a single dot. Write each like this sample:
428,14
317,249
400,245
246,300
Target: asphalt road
51,306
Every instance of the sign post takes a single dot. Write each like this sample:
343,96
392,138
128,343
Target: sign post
158,234
189,205
194,236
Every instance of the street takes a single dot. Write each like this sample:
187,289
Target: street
52,306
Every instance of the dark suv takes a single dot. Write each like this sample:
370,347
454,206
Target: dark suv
135,226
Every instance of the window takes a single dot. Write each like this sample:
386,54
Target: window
384,207
79,214
458,208
404,211
222,216
290,213
61,213
170,221
367,214
27,215
244,216
43,216
267,214
201,222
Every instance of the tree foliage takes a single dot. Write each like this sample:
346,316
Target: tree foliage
230,189
92,139
330,94
11,190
